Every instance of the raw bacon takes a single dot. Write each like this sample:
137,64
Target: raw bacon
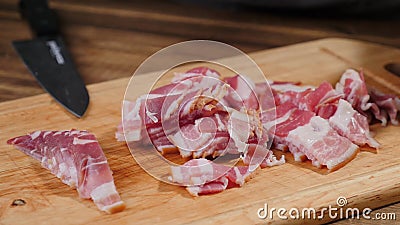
352,125
318,100
352,85
233,115
321,144
241,94
388,104
203,71
291,121
297,105
78,160
202,176
254,152
166,117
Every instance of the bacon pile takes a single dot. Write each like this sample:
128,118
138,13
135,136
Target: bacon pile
201,114
78,160
320,124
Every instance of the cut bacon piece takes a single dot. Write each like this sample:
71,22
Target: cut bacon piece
190,139
283,86
78,160
205,71
195,72
321,95
240,129
352,85
265,95
164,145
352,125
207,136
212,187
287,91
306,135
242,94
295,119
148,110
132,122
202,176
294,97
326,110
321,144
387,103
320,100
254,153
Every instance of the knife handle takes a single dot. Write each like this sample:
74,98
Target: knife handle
42,20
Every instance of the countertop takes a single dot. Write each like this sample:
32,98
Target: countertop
109,39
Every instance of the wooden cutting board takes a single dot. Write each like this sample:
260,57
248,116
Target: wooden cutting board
370,180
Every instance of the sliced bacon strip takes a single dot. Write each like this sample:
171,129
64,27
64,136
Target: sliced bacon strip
352,125
202,176
242,94
254,153
295,119
265,95
294,97
320,100
78,160
283,86
322,144
388,103
352,85
322,96
197,71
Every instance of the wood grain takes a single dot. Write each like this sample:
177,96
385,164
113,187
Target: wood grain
370,180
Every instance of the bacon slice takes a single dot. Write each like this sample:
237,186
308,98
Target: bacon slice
352,125
295,119
78,160
202,71
254,153
321,144
242,94
202,176
308,136
284,86
321,100
389,104
352,85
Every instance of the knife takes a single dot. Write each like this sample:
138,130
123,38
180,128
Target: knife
48,60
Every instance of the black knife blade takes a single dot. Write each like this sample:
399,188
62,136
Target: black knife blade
48,59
